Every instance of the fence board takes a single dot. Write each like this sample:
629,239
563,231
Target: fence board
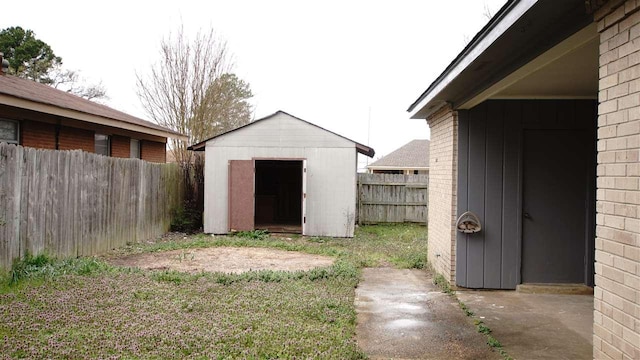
392,198
72,203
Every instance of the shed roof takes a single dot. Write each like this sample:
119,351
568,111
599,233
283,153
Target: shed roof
360,148
31,95
414,154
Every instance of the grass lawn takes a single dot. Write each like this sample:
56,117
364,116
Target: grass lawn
84,308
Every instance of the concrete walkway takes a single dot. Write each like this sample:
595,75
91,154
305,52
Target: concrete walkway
536,326
402,315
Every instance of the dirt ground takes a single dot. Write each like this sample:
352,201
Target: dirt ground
224,259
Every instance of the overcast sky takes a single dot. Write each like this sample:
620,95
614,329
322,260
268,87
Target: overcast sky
339,64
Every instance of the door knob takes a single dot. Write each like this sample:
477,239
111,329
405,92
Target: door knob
526,215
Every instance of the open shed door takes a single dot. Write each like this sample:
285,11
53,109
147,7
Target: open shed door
304,197
241,195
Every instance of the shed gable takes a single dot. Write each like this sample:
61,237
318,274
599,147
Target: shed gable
281,130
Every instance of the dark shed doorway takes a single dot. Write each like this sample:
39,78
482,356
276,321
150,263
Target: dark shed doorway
279,195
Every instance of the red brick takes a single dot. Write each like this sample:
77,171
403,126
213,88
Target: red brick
153,151
38,135
76,139
120,146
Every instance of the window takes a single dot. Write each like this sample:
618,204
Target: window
135,149
103,145
9,131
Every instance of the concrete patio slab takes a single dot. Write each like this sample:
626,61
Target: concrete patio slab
402,315
536,326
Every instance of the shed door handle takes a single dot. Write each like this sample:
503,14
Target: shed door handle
526,215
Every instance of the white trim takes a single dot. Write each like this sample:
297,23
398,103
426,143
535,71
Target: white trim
498,30
572,43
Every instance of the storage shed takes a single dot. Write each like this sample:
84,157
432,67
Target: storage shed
282,174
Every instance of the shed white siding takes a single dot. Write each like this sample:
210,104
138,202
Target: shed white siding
331,171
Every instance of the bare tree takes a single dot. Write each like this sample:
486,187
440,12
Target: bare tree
488,14
184,89
70,81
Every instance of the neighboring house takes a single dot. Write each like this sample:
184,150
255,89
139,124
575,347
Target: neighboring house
40,116
281,173
535,128
412,158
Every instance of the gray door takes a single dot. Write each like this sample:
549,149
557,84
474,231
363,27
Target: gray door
555,206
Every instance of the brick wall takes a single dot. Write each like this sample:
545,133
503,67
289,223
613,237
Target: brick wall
37,135
442,191
72,139
120,146
153,151
43,135
617,298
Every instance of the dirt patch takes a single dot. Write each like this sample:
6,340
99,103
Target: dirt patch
224,259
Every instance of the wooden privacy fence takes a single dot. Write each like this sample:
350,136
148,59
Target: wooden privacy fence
72,203
390,198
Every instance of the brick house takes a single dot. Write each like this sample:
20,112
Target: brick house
411,158
535,128
40,116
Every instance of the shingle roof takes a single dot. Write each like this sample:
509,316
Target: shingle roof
47,95
414,154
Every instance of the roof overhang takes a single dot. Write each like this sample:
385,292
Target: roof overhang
90,118
365,150
518,34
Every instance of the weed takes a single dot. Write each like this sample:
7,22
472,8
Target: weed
492,341
441,282
182,221
466,309
255,234
483,329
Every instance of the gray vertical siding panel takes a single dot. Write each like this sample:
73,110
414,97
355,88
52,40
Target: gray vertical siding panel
463,195
490,183
493,197
589,112
511,211
477,173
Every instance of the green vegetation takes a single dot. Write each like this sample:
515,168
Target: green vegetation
255,234
85,308
440,281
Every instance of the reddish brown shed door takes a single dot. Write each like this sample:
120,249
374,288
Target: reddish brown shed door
241,199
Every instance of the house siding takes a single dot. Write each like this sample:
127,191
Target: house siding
491,183
617,299
153,151
443,191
